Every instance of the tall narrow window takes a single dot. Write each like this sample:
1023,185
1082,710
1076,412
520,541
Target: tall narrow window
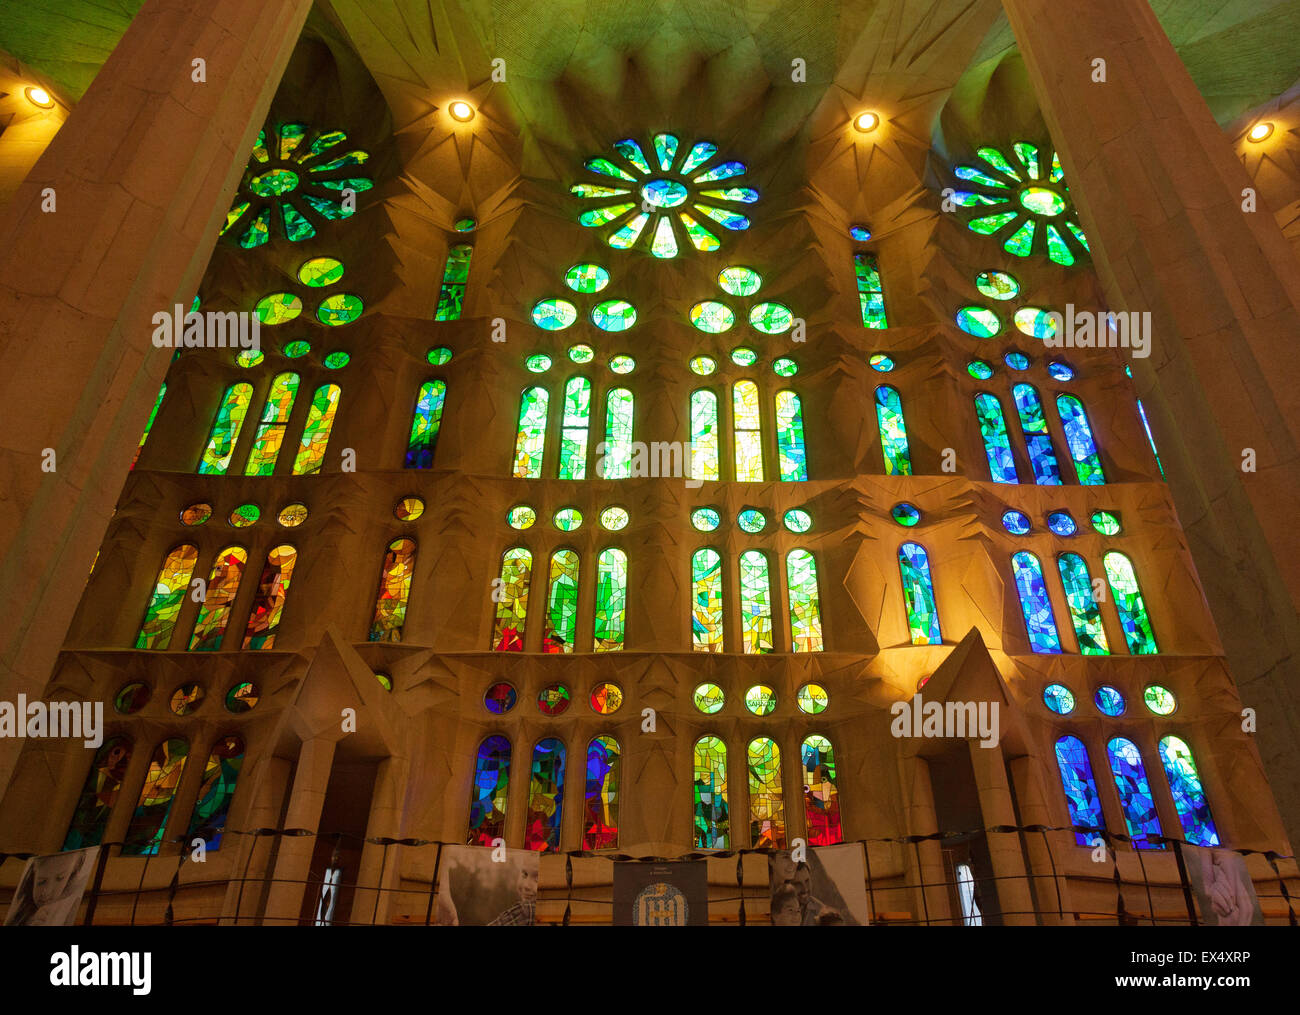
455,276
748,437
168,597
893,432
225,429
223,586
394,591
425,425
1189,796
1142,415
270,432
997,445
766,802
219,778
706,601
530,442
561,603
487,805
611,600
755,603
1084,612
706,449
157,403
616,463
1133,616
316,433
268,607
805,602
791,452
1042,456
99,794
1080,788
918,594
821,795
1035,603
712,818
1078,434
871,292
512,606
600,820
1135,797
573,435
144,834
545,797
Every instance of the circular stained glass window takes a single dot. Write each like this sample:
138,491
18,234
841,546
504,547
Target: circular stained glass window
292,515
859,233
1060,371
979,369
582,353
244,516
771,318
554,315
196,514
1042,201
622,364
737,280
568,519
978,321
385,681
1016,522
337,360
243,697
879,361
797,521
1061,523
439,356
997,285
705,519
1160,700
785,367
132,698
1106,522
665,193
905,514
538,364
1036,322
712,317
760,699
553,699
613,519
703,365
249,358
751,521
1016,360
341,309
586,278
186,699
297,349
744,357
1109,700
813,699
613,315
709,698
408,509
320,271
500,698
465,225
1059,698
278,308
606,698
521,517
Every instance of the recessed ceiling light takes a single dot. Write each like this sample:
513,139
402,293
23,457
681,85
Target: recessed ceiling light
866,122
1260,131
461,110
38,96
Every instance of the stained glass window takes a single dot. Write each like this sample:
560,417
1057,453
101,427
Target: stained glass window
821,795
1041,454
611,600
511,597
425,425
918,594
1189,795
1059,698
1135,797
712,818
997,444
1146,425
1078,434
805,602
220,776
561,603
1160,700
225,429
545,797
531,439
755,603
1084,612
617,459
500,698
157,403
454,278
316,432
997,285
813,699
1109,700
394,591
214,612
1016,522
275,418
145,832
791,453
487,805
706,607
871,292
1062,523
1133,616
1080,788
168,597
706,452
749,441
1035,603
600,818
573,436
99,794
766,800
264,621
893,432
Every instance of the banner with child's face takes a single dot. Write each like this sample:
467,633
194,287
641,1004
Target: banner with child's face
50,889
828,889
480,886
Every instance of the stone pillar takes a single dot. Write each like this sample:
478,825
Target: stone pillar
1015,901
1160,192
385,821
268,778
1050,883
141,176
293,860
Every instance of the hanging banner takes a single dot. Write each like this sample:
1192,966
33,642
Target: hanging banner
829,889
661,894
50,889
483,887
1225,895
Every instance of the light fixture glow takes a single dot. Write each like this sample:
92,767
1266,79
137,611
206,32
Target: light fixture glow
1260,131
866,122
38,96
461,110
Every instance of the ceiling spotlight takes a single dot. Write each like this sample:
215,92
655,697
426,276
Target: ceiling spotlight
866,122
38,96
1260,131
461,110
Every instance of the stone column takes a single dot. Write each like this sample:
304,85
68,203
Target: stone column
385,821
1015,900
293,860
1160,191
140,177
1050,883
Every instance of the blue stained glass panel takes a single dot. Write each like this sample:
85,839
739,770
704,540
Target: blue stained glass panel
1035,603
1189,795
997,445
1134,793
1080,788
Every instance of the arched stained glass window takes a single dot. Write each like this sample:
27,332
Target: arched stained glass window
264,621
1042,456
766,801
223,586
530,442
225,430
1035,603
561,603
426,423
157,403
1132,608
611,600
712,818
573,436
99,794
997,444
616,456
220,775
275,420
706,448
748,437
512,600
893,432
1189,795
545,797
821,795
1078,434
600,819
455,276
394,591
755,603
1080,788
1084,612
805,602
918,594
487,804
316,432
706,601
791,452
168,597
144,834
1135,797
871,292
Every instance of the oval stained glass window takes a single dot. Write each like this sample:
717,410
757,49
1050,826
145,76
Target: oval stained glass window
186,698
1059,698
521,517
586,278
408,509
131,698
622,364
1059,370
709,698
771,318
278,308
751,521
978,321
465,225
318,272
737,280
568,519
582,353
1016,360
553,699
500,698
879,361
249,358
613,315
744,357
703,365
1109,700
1106,522
705,519
997,285
1016,522
813,699
760,699
385,681
196,514
1159,700
613,519
1036,322
712,317
785,367
606,698
439,356
859,233
905,514
341,309
244,516
1061,523
297,349
337,360
554,315
292,515
797,521
979,369
539,363
243,697
1042,201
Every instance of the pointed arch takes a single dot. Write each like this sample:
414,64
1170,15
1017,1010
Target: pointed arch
490,789
1035,603
394,591
223,587
712,817
1083,446
997,442
168,597
600,818
512,606
530,441
316,431
792,455
545,797
268,607
893,431
821,795
226,426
